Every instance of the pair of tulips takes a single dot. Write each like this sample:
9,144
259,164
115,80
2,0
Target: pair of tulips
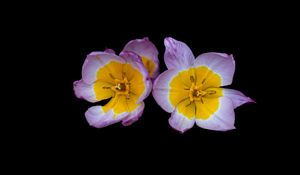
191,88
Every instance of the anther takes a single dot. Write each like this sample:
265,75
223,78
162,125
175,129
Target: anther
188,104
211,92
192,79
111,76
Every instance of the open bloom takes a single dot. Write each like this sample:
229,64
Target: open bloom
122,78
148,52
191,89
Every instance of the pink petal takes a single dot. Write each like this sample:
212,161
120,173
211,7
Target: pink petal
180,122
85,91
237,97
111,51
93,62
222,119
144,47
222,64
135,115
131,57
161,89
148,85
135,61
177,54
96,117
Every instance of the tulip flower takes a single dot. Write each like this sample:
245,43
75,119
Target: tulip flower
191,89
122,79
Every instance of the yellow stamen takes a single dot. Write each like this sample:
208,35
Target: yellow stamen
121,87
196,92
192,79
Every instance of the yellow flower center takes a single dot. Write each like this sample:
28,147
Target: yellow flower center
123,83
121,87
195,92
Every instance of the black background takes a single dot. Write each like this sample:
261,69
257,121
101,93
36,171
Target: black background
66,34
